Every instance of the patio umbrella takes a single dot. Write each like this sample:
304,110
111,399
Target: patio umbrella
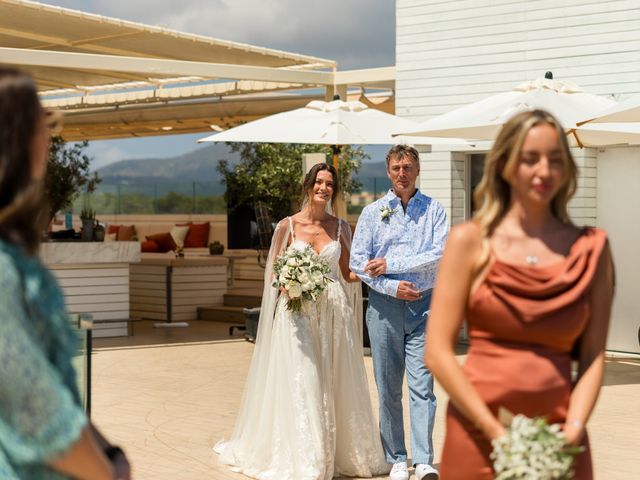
625,111
567,102
328,123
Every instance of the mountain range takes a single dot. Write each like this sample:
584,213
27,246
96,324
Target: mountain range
200,166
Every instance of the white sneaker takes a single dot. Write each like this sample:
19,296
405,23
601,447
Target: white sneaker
426,472
399,471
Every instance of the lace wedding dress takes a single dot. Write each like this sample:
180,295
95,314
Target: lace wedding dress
306,412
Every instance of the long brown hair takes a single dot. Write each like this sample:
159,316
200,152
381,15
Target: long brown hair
310,181
21,207
493,194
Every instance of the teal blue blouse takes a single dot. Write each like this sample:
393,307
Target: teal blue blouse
40,411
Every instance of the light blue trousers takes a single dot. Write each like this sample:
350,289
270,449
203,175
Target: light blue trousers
397,333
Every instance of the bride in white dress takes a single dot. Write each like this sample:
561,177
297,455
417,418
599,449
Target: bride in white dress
306,412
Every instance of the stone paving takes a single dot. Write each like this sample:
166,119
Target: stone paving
168,395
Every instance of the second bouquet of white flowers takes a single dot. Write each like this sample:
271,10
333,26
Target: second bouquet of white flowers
302,274
534,450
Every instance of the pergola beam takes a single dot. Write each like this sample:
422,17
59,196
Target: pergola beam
153,66
382,77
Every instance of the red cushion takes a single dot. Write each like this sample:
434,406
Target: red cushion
164,240
198,236
111,229
149,246
126,233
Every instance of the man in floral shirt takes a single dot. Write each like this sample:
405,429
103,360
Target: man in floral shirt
396,249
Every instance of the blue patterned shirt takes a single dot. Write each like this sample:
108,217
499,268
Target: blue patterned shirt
411,242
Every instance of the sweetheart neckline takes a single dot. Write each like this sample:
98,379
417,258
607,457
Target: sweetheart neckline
316,252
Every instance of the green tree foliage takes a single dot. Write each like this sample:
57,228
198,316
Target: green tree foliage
272,173
67,174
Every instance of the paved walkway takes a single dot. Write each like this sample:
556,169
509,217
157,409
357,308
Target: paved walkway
168,395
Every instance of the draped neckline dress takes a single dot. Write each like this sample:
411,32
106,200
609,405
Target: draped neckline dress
523,322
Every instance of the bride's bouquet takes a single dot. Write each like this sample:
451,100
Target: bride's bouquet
302,274
534,450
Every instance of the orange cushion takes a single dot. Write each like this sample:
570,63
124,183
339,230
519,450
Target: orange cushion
165,241
111,229
126,233
198,236
149,246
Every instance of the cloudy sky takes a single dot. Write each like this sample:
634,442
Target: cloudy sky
355,33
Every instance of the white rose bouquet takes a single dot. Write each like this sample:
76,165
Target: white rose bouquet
534,450
302,274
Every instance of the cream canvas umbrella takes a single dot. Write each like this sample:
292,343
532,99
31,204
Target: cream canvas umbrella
625,111
327,123
567,102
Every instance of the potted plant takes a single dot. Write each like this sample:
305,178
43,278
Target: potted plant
68,174
88,219
216,248
98,232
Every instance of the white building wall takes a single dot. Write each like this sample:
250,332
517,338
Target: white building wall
618,213
582,207
451,53
443,177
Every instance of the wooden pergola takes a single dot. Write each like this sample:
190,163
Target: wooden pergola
115,79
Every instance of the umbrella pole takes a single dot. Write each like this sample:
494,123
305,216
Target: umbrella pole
575,135
336,154
341,204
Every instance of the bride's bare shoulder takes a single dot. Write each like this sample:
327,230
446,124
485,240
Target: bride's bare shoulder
284,223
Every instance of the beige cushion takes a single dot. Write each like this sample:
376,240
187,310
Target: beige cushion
110,237
179,234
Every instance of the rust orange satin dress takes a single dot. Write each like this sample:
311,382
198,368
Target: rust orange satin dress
523,323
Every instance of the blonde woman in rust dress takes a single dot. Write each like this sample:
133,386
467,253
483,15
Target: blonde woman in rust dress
536,292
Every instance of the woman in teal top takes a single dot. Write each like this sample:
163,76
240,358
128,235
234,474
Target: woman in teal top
44,433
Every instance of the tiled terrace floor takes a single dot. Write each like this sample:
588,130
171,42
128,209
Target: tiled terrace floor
168,395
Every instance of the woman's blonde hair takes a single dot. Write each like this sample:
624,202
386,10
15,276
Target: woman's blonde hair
493,194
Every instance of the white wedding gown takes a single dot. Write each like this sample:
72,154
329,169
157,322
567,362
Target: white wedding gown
306,412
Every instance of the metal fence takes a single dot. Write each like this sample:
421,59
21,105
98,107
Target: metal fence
154,198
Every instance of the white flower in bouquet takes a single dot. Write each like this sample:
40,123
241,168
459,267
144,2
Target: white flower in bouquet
294,290
302,274
303,277
534,450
